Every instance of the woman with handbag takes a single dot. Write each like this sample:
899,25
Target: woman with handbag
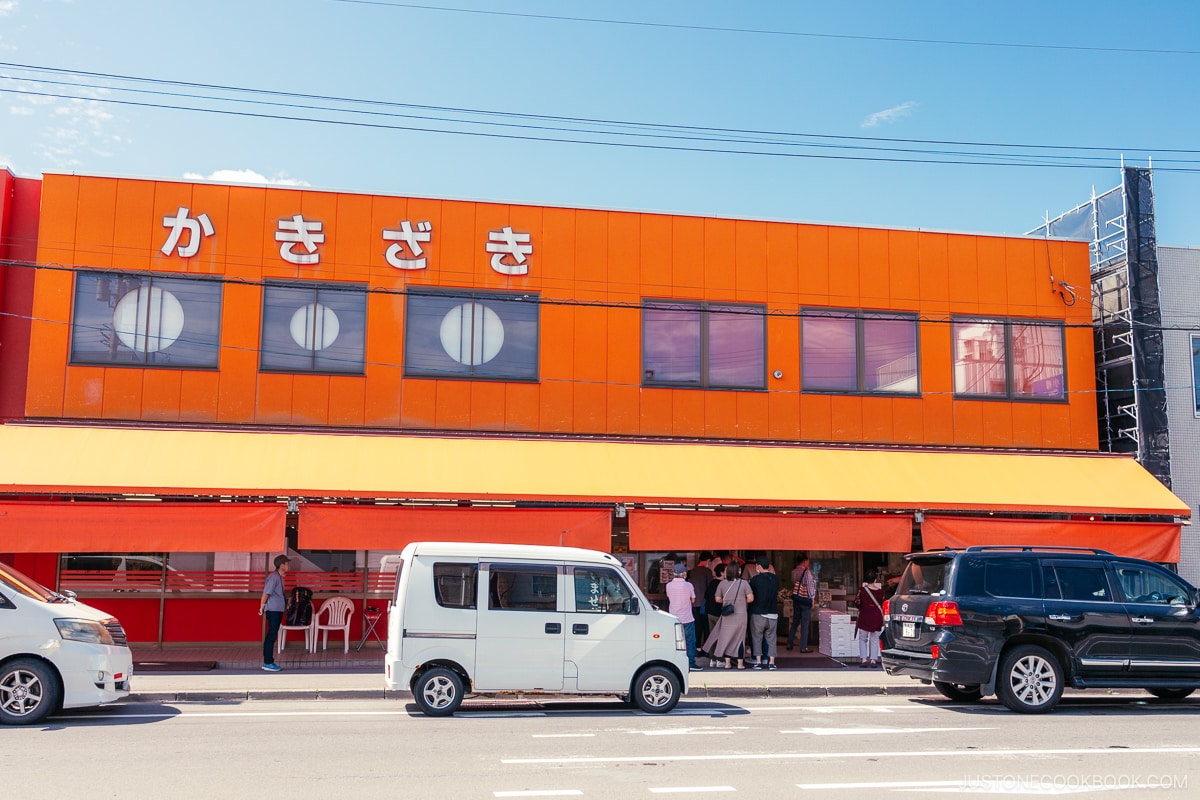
727,637
869,602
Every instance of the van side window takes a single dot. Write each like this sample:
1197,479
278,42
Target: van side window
1083,583
600,591
454,585
522,588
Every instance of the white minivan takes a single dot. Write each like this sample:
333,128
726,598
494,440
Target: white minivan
56,652
470,618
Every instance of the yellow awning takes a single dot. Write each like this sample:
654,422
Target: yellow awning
45,459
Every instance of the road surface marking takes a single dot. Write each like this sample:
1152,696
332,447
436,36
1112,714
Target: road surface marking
873,731
909,754
541,793
562,735
691,789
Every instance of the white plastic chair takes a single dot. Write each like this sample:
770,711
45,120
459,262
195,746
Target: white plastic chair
310,635
337,611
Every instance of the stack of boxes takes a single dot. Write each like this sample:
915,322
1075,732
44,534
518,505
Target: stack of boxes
836,634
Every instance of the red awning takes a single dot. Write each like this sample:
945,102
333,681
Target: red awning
61,527
705,530
330,527
1153,541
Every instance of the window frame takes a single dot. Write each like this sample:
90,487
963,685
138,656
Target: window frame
465,295
315,289
705,309
1194,340
1009,323
861,317
495,569
146,360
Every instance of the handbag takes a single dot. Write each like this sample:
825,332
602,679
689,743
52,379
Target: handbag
728,608
800,591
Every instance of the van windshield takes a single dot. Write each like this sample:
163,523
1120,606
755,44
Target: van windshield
14,580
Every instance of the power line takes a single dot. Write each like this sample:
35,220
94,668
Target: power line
772,32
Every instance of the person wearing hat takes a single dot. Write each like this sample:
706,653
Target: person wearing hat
681,596
273,605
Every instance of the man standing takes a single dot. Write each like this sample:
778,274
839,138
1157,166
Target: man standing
764,613
273,604
699,577
681,596
804,590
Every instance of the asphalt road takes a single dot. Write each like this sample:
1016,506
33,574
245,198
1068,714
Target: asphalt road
831,748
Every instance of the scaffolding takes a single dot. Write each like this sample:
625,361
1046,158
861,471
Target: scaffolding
1127,321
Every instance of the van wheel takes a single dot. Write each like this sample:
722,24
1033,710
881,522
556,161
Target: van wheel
28,692
1030,680
959,692
438,692
656,690
1170,694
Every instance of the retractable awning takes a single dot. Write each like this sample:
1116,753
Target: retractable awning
330,527
695,530
147,527
1152,541
45,459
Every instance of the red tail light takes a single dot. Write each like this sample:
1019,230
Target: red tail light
934,651
887,609
943,612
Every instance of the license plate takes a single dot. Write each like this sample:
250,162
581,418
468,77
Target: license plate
908,630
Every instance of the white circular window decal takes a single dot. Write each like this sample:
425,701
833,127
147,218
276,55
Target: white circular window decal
147,320
472,334
314,326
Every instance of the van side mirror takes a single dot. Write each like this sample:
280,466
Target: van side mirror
632,605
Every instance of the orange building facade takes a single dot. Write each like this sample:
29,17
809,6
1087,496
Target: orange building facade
370,370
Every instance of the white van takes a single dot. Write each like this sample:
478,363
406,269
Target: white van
492,619
56,652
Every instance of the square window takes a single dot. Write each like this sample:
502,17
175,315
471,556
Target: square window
703,345
471,335
145,320
848,350
1014,359
309,328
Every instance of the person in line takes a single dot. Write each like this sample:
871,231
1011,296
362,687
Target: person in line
804,591
711,606
764,614
699,577
729,635
869,602
273,604
681,597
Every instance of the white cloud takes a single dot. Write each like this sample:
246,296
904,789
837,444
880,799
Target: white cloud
20,111
889,115
7,7
245,176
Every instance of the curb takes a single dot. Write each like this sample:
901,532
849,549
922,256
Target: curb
696,693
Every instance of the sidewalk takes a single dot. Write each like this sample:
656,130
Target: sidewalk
216,674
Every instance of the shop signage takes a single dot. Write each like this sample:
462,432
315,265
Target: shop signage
300,239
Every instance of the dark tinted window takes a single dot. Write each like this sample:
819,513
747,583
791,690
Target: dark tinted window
522,588
471,335
925,576
454,585
1010,578
1083,582
314,329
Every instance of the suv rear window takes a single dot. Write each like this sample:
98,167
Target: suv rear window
924,576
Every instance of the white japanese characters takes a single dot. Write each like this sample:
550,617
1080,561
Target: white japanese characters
299,239
505,242
407,236
182,221
299,230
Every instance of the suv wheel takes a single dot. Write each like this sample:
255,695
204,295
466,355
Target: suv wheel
959,692
1170,694
1030,680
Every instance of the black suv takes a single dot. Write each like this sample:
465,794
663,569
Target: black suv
1026,622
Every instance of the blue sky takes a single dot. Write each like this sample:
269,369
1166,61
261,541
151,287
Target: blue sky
992,78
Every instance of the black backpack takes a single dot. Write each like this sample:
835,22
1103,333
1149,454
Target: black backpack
299,608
